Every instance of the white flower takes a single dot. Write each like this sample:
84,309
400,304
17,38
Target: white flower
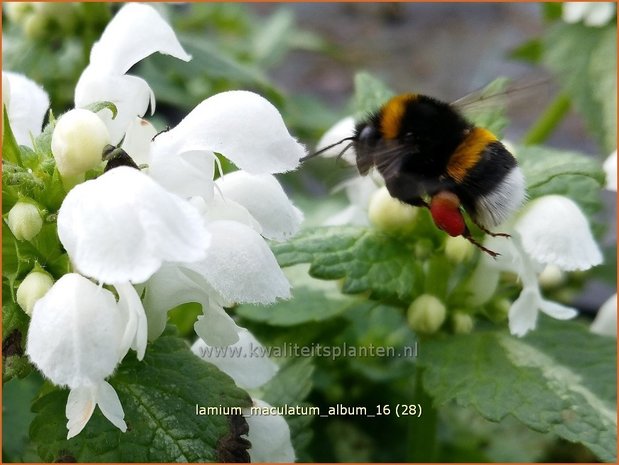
265,200
122,226
247,362
270,437
554,231
550,231
610,168
605,322
77,142
238,209
75,339
136,32
243,126
591,13
26,103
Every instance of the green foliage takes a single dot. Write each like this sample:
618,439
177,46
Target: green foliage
560,378
159,397
365,259
584,60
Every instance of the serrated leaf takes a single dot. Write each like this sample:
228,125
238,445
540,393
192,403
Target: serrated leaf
158,396
365,259
540,165
370,94
561,378
585,62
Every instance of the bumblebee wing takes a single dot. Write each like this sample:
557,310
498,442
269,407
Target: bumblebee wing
496,96
388,159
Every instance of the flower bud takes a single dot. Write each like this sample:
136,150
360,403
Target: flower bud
462,323
25,221
458,249
35,26
498,310
389,214
426,314
78,141
32,288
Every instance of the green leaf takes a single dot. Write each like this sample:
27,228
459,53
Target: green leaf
585,62
540,165
272,39
17,396
561,378
159,396
10,149
365,259
312,301
370,94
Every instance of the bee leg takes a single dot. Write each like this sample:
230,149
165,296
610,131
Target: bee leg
468,237
490,233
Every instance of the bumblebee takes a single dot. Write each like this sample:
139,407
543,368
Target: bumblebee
430,155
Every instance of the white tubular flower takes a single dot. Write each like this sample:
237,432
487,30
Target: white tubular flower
75,340
26,103
136,32
173,285
77,142
246,361
551,230
610,168
524,310
122,226
595,14
241,125
605,322
270,437
240,266
265,200
554,231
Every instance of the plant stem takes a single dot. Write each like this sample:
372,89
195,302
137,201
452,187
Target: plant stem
549,120
422,446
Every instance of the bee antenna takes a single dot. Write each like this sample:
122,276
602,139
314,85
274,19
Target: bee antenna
341,154
324,149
